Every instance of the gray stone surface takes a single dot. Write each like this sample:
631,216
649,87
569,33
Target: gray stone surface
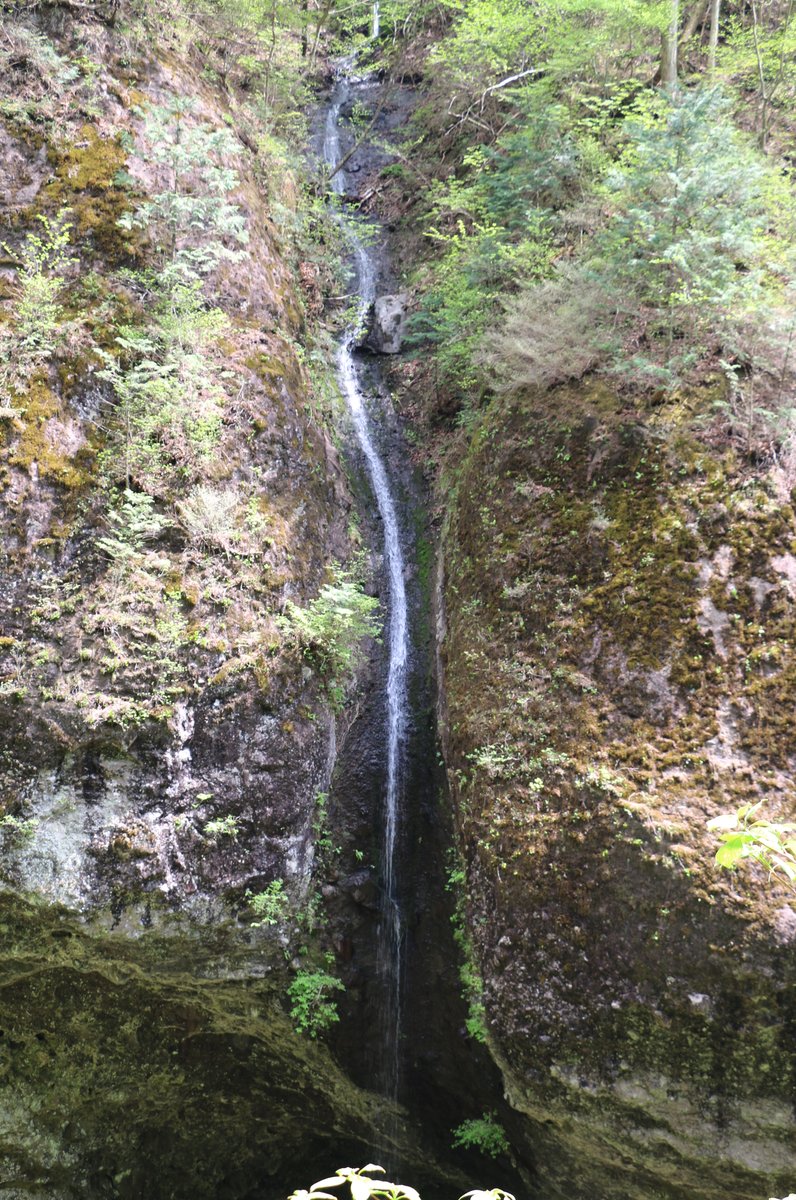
389,321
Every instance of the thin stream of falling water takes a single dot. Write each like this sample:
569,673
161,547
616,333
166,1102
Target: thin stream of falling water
391,934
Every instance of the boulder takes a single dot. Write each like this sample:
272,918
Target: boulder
389,319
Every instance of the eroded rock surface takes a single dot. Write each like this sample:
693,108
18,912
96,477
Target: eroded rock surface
618,662
163,739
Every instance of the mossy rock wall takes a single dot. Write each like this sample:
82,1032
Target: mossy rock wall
158,1065
618,665
146,1046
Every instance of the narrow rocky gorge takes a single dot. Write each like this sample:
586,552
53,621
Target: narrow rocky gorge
357,743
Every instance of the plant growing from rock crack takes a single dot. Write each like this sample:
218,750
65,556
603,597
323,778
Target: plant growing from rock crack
170,399
19,829
483,1133
271,906
219,827
131,525
332,626
771,845
190,218
42,260
313,1008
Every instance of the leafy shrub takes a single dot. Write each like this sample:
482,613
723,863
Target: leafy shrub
332,626
313,1009
689,212
131,525
743,837
45,258
43,261
170,397
190,219
483,1133
210,516
538,165
271,906
679,273
219,827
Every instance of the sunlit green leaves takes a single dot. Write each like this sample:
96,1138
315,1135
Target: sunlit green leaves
362,1186
332,626
313,1007
745,836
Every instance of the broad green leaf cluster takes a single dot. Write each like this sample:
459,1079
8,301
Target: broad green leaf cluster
482,1133
746,836
362,1186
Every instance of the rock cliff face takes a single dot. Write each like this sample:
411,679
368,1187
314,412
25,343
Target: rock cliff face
163,742
618,667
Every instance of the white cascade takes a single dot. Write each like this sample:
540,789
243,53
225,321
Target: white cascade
392,933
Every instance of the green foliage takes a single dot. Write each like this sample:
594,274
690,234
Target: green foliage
45,259
50,79
222,827
496,231
684,256
757,54
168,381
331,628
469,975
624,230
490,38
262,56
689,213
483,1133
131,525
272,906
171,395
313,1008
320,824
745,836
190,219
18,829
43,262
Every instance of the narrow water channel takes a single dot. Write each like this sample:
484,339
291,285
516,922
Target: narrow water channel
391,929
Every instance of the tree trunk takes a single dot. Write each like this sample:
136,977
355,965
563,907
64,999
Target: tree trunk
715,6
695,19
669,49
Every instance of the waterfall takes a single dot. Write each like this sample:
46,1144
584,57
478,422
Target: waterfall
375,28
391,931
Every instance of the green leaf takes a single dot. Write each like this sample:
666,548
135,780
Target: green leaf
733,850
